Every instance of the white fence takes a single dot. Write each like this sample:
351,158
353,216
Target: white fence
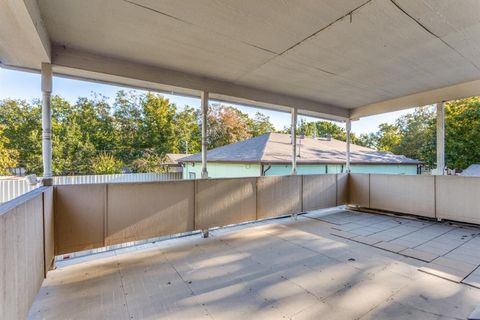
10,189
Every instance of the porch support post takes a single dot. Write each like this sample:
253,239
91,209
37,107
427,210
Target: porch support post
440,138
293,131
46,121
348,128
204,98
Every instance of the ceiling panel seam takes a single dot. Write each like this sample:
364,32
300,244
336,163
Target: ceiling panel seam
190,23
350,13
433,33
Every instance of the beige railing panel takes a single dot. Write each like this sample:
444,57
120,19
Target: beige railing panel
79,217
49,222
403,194
458,198
359,189
342,189
138,211
278,195
319,191
221,202
21,254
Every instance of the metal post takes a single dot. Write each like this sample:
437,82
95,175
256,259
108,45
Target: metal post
47,121
440,138
293,131
348,127
204,98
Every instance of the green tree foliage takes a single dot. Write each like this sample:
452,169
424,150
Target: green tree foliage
106,164
133,133
150,161
8,157
323,129
23,130
260,124
187,131
414,134
228,125
462,133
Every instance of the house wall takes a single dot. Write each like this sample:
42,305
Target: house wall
332,168
232,170
222,170
385,168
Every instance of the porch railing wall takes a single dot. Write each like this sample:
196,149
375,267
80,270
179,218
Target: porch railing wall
26,250
10,189
443,197
97,215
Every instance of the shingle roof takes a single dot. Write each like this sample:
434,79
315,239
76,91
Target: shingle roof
277,148
173,158
473,170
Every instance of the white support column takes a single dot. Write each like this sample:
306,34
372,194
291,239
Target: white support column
348,128
293,132
46,121
440,138
204,98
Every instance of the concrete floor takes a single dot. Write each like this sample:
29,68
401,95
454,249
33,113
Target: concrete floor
325,265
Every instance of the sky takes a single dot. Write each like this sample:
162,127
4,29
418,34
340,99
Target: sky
25,85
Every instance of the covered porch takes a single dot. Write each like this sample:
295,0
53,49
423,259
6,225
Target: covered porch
310,268
337,60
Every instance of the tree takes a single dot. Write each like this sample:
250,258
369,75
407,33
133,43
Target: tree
157,129
127,120
417,135
23,130
369,140
388,137
260,125
106,164
462,133
8,157
187,131
149,162
226,125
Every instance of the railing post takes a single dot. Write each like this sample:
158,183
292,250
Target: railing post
293,132
47,120
204,98
348,126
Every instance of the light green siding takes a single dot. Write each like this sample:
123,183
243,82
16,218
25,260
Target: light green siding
222,170
385,168
231,170
278,169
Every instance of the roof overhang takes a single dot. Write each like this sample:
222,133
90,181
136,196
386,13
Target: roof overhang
330,59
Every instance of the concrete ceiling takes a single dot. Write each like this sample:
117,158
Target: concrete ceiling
336,58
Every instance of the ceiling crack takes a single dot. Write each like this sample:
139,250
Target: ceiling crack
190,23
432,33
348,14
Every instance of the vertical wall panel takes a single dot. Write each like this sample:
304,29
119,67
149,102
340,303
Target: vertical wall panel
403,194
79,217
457,198
48,221
138,211
222,202
319,191
342,188
359,189
278,195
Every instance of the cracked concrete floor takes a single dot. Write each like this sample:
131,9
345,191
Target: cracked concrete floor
276,269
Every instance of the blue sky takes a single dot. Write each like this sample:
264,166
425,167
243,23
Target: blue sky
24,85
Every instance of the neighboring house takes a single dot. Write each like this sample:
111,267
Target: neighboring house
271,154
171,162
473,171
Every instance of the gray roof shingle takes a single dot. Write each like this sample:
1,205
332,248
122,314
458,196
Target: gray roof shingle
277,148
